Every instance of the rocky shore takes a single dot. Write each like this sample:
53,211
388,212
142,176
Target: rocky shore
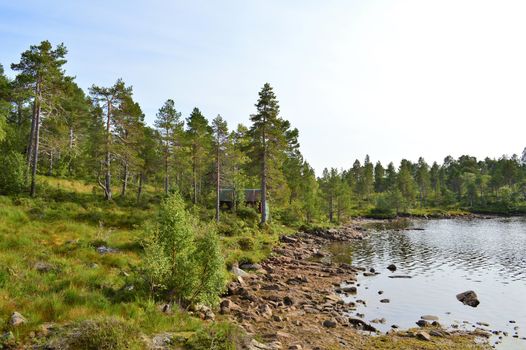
293,300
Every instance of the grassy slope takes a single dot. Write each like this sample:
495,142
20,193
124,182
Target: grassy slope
63,230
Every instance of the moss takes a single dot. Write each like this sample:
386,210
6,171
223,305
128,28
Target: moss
100,334
395,342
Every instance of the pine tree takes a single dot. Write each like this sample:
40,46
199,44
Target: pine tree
199,135
268,139
379,178
170,127
220,130
41,73
109,99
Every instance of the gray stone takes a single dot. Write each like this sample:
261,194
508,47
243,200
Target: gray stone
329,323
423,336
17,319
468,298
429,318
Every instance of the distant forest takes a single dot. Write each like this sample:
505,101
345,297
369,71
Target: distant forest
50,127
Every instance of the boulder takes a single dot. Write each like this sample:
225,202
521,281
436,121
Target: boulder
238,272
429,318
329,323
361,325
349,289
288,301
251,267
468,298
265,311
422,323
421,335
227,306
288,239
106,250
17,319
43,267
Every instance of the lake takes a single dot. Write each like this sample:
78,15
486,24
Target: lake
444,258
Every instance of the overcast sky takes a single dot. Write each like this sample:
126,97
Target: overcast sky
392,79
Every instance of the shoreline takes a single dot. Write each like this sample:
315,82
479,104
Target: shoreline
292,300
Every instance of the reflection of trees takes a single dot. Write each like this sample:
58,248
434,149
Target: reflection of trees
473,246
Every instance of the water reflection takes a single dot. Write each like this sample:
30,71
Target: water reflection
470,245
445,258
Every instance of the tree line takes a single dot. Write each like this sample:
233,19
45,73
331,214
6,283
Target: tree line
50,126
489,185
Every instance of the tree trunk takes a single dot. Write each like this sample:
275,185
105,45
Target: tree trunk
50,169
218,183
194,166
331,209
139,187
29,152
36,141
166,179
70,138
107,178
264,186
124,179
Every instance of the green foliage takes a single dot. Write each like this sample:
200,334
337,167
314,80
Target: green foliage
12,173
181,259
101,334
219,336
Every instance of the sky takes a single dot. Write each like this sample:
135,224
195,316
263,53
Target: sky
391,79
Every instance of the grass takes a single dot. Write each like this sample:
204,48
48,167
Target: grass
396,342
61,230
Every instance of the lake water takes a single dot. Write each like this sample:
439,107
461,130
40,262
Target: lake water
447,257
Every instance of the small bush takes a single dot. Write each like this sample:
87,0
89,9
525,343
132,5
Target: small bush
181,259
248,214
101,334
12,173
220,336
246,243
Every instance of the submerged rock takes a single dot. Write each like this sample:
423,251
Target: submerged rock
468,298
429,318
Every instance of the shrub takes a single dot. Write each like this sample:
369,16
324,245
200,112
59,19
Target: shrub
248,214
101,334
220,336
246,243
181,259
12,173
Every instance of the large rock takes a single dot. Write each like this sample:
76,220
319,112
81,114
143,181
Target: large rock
17,319
468,298
238,272
227,306
43,267
329,323
265,311
361,325
423,336
250,267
